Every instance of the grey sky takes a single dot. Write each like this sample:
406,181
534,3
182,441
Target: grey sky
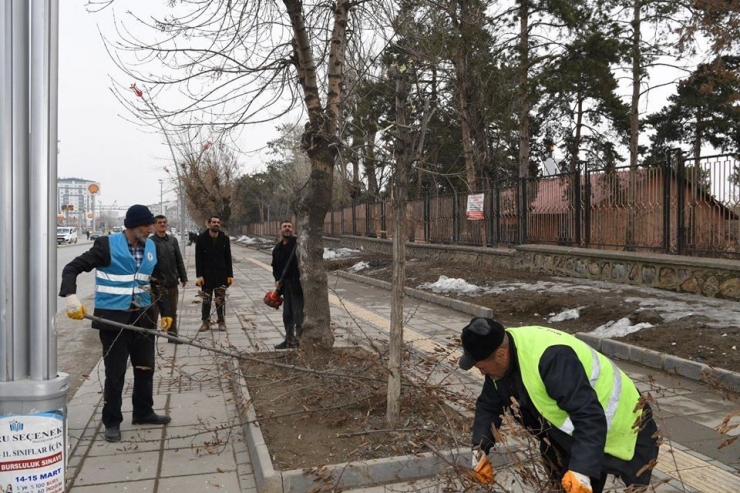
96,142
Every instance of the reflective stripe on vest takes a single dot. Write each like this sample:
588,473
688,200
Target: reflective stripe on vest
616,392
120,285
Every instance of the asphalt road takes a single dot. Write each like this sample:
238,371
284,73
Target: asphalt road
78,346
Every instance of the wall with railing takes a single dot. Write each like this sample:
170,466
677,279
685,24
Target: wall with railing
683,206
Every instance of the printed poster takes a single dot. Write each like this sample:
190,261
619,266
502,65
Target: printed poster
474,211
32,453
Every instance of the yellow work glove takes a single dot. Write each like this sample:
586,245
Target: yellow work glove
75,309
482,470
199,281
229,280
575,482
166,323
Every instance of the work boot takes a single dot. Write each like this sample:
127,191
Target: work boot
282,345
112,433
206,325
293,343
152,419
222,326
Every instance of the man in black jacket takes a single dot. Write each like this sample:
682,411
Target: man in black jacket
288,282
170,270
587,414
214,271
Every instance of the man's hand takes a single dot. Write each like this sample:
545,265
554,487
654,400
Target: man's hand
75,309
184,283
229,280
278,284
199,282
575,482
482,469
166,323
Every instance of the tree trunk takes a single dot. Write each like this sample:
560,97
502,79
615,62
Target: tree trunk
523,114
403,151
320,142
634,123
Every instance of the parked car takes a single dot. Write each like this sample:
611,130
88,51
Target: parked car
66,234
95,235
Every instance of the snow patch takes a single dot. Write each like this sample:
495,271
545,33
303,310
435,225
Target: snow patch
445,285
331,254
571,314
620,328
359,266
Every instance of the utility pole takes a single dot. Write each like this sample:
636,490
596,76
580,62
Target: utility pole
33,394
161,203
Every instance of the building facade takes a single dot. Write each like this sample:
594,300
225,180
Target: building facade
75,202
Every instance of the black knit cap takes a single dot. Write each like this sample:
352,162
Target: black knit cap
480,338
138,215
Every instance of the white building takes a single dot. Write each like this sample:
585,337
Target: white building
75,202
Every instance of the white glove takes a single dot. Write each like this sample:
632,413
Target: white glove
75,309
476,457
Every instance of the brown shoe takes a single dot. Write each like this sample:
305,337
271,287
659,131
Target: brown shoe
222,327
206,325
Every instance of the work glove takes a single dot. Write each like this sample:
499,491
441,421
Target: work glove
75,309
199,281
575,482
166,323
229,280
482,470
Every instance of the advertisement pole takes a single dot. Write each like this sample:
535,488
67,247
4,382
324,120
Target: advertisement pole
33,394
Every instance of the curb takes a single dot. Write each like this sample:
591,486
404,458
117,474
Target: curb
608,347
461,306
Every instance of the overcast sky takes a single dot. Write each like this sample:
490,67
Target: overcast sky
97,144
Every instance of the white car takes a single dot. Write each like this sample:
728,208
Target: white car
66,234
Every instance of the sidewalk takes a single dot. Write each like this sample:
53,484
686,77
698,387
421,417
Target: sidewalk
203,449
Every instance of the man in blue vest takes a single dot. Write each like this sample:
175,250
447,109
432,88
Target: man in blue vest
124,262
587,414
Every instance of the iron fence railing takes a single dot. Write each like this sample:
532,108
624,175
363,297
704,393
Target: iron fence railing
683,206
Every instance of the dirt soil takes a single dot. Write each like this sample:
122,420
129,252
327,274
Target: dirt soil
690,337
352,425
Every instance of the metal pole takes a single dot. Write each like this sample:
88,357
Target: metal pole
33,395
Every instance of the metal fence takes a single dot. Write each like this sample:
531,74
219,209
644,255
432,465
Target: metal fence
681,207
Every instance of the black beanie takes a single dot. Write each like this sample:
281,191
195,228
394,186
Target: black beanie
138,215
480,338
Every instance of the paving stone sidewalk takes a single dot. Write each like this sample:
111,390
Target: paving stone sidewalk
203,449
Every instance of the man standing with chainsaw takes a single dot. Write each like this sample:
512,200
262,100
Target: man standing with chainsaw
587,414
288,283
214,271
124,263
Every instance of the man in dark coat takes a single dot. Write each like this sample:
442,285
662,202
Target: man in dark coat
587,414
123,263
288,282
214,271
170,270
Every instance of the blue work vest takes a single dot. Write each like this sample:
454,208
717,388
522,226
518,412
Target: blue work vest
120,285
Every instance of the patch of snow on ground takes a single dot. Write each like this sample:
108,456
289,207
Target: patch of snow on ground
620,328
331,253
359,266
571,314
246,240
445,285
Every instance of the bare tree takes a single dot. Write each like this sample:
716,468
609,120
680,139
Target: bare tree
232,61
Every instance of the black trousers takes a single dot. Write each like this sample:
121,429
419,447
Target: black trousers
556,459
118,347
292,311
210,293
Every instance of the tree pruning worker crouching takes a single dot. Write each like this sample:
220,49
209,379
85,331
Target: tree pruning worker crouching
586,413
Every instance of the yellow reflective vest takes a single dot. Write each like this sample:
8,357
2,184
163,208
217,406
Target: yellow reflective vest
616,392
